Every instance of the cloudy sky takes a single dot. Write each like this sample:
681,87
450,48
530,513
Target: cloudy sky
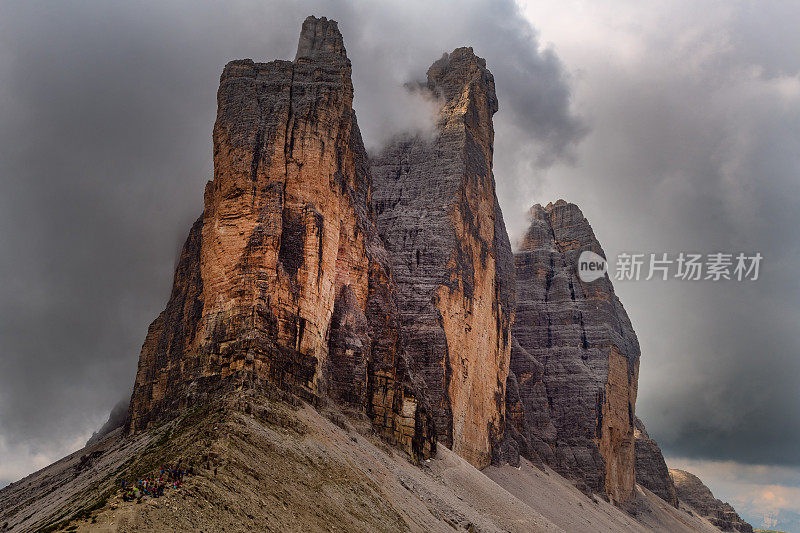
674,125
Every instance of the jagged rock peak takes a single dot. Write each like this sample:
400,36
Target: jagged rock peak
561,215
695,494
284,278
438,214
467,89
320,36
574,410
461,69
651,468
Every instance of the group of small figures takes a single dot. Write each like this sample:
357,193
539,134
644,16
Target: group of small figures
170,477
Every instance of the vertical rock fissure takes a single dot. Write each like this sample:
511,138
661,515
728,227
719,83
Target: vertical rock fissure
288,134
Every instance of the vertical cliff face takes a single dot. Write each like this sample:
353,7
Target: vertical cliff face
651,469
694,493
284,277
438,215
575,359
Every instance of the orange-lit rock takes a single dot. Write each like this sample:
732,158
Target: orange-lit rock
284,277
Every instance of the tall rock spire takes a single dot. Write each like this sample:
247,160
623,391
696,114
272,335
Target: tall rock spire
284,278
575,361
438,214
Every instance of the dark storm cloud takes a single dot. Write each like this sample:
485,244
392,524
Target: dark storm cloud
727,180
107,109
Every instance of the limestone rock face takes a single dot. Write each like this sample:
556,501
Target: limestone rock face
575,359
651,469
284,278
438,215
694,493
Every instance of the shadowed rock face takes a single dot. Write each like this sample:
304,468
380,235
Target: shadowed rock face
574,360
438,216
284,278
692,492
651,469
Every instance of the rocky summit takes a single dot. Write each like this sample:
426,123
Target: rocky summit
438,215
574,360
351,344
